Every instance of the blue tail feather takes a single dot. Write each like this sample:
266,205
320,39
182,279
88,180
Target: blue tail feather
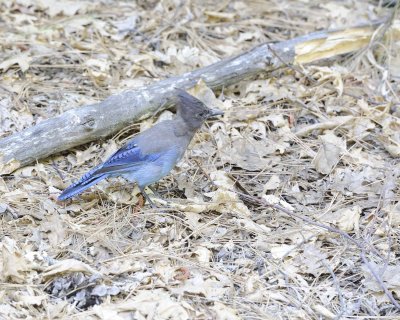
87,180
78,188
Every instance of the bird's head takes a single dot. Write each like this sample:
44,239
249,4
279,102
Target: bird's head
193,111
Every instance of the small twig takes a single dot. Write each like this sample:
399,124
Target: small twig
54,165
339,291
203,170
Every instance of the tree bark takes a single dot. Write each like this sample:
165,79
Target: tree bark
87,123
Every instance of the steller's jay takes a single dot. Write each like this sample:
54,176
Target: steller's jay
153,153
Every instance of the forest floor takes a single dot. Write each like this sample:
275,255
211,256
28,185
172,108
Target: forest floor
322,141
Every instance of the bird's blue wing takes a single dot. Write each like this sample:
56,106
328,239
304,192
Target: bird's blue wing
126,158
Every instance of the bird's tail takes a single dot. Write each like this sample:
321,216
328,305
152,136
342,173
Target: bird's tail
87,180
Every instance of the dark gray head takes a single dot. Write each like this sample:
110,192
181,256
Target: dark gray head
192,110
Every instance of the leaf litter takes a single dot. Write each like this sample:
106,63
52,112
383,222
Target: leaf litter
321,141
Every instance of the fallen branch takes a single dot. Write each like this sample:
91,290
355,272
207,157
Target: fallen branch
91,122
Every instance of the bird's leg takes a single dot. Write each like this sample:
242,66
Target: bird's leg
147,197
154,191
158,196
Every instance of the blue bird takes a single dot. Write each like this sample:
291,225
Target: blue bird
153,153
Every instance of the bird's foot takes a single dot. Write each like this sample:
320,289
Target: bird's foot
146,196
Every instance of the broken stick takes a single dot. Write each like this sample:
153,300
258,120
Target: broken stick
91,122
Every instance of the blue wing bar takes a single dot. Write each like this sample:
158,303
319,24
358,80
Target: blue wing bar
125,159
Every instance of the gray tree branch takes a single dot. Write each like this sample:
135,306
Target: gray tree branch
91,122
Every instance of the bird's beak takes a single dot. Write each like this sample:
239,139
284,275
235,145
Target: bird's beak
215,112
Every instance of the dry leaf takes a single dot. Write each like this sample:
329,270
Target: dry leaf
68,266
14,267
346,219
281,251
273,183
86,155
324,125
390,276
327,314
209,288
154,304
32,300
223,312
329,153
223,200
23,61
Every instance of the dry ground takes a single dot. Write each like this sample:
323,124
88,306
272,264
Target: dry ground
322,140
